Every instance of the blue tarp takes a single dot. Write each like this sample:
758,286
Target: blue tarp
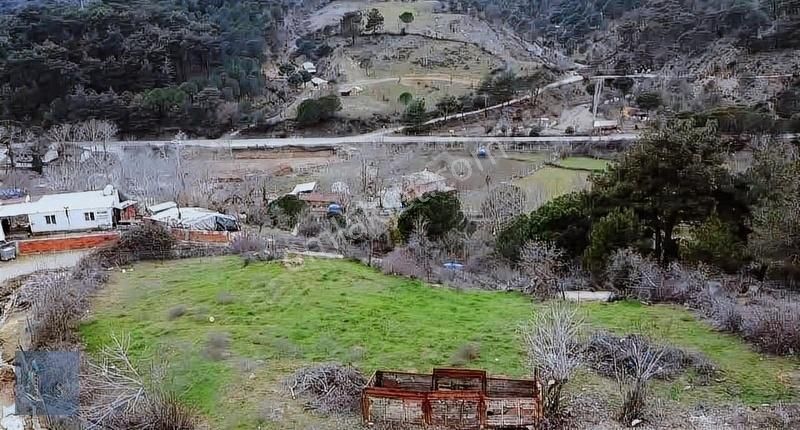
11,193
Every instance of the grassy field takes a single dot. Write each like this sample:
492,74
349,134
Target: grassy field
584,163
550,182
279,319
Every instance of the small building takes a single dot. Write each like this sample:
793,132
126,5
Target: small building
309,67
51,213
192,218
605,126
319,82
350,91
304,188
319,202
417,184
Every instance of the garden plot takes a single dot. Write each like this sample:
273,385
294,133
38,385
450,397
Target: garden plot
270,320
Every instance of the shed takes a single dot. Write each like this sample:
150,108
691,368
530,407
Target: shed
196,219
318,82
309,67
307,187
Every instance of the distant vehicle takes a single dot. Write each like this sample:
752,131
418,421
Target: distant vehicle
453,266
8,251
482,153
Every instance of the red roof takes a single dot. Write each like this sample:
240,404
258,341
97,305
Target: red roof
319,198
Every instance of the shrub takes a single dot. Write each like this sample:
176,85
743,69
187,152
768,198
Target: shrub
285,210
217,345
773,327
569,130
176,312
441,210
619,229
714,242
225,298
313,111
465,354
563,221
248,242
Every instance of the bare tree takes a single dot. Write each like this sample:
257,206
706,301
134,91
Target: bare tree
642,365
543,262
504,203
97,131
11,135
61,134
372,229
552,341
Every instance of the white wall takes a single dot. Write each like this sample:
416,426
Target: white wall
72,220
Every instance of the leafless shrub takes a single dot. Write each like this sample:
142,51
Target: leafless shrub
634,376
247,243
329,388
773,327
725,314
552,342
118,397
638,277
225,298
543,263
270,412
57,306
466,354
148,241
608,355
217,345
401,262
309,225
284,348
176,312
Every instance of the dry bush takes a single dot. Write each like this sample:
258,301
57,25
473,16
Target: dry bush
635,276
116,397
176,312
543,263
217,345
285,348
552,342
247,243
726,314
225,298
773,326
309,225
401,262
58,304
466,354
634,375
329,388
608,355
148,241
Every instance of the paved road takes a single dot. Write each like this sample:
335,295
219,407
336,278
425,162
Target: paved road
369,138
28,264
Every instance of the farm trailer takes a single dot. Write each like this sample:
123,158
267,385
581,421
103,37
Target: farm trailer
459,399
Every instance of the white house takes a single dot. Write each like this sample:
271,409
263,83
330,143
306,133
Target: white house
309,67
89,210
308,187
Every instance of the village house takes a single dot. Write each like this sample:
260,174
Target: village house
65,212
417,184
319,202
309,67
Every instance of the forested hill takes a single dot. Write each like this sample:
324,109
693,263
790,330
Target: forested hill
148,65
649,33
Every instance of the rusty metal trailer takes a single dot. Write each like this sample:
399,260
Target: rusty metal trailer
459,399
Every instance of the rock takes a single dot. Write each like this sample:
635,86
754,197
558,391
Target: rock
589,296
636,422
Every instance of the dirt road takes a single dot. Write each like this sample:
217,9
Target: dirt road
29,264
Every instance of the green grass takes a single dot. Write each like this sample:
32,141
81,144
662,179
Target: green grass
333,310
550,182
584,163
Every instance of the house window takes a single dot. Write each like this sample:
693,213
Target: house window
88,216
50,219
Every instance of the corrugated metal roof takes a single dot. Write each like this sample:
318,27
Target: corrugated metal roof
100,199
307,187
